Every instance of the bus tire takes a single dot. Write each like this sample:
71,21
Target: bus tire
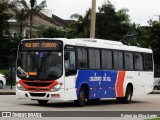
119,99
1,85
155,88
82,98
128,96
42,102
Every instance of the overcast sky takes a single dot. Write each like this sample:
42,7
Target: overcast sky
140,11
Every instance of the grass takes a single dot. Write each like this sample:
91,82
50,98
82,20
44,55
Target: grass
153,119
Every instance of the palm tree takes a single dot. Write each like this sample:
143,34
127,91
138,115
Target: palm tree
32,8
80,28
21,16
77,16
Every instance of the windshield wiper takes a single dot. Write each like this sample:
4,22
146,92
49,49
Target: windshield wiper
23,72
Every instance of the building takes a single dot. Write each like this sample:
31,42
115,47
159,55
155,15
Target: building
42,19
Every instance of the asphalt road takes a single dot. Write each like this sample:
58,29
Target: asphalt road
149,102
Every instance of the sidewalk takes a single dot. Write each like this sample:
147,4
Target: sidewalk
6,90
155,92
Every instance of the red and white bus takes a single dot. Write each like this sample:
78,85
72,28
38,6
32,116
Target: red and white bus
82,69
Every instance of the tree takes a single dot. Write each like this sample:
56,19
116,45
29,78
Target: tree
4,17
143,33
52,32
79,28
154,42
137,36
5,41
32,8
21,16
111,24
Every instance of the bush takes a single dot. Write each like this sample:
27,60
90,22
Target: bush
7,74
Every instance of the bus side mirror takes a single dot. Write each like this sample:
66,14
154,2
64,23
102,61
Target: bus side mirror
67,54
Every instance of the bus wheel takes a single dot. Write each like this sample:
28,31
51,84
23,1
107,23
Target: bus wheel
42,102
82,98
119,99
155,88
128,95
1,85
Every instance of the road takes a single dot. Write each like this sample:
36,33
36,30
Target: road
150,102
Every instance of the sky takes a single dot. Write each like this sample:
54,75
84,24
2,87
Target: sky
140,11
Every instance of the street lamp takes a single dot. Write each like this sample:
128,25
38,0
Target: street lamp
93,19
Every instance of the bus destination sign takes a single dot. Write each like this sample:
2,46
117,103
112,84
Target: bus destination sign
41,45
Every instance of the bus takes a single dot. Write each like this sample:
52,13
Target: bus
82,69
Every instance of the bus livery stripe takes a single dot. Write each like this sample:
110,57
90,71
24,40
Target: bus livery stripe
119,84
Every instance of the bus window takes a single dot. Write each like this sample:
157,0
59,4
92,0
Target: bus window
82,58
40,65
128,57
138,61
106,59
70,60
94,59
118,60
148,64
70,63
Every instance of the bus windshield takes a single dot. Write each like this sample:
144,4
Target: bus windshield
39,65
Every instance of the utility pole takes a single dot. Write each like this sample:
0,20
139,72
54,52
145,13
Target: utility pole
93,19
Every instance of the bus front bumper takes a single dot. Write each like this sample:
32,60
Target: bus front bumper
58,95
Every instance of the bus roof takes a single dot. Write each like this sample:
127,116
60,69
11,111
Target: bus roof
106,44
97,43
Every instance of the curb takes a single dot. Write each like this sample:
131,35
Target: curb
7,93
155,92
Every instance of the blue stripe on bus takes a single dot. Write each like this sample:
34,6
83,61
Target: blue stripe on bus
101,83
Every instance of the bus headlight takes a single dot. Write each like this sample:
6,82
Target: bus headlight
20,87
56,87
